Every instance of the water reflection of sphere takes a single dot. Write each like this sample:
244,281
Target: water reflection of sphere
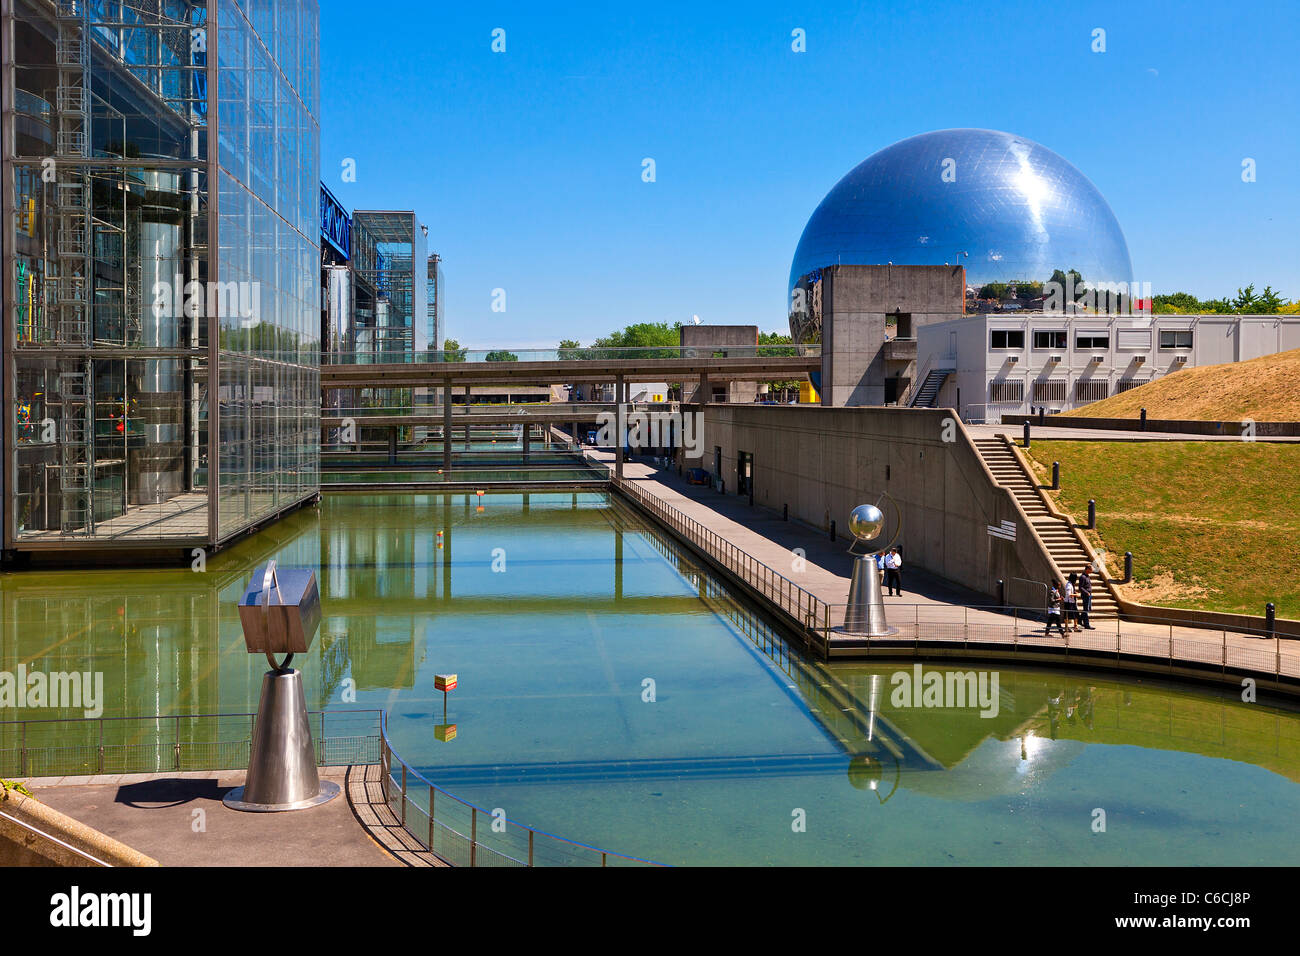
864,772
866,522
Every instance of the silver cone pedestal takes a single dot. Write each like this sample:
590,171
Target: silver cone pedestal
282,764
865,615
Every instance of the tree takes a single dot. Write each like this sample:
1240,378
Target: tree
452,352
777,343
501,355
569,349
642,335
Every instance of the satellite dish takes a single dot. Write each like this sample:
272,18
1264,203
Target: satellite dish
695,319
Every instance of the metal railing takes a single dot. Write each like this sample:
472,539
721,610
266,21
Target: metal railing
464,834
77,746
805,609
564,412
972,626
822,623
581,354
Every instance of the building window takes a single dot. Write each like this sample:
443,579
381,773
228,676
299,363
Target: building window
1006,339
1176,338
1090,390
1128,384
1092,341
1050,339
1049,390
1134,340
1007,393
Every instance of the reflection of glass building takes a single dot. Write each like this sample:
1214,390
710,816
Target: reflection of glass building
1003,207
135,292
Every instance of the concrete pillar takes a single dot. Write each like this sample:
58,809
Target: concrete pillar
704,394
446,425
392,445
620,432
524,439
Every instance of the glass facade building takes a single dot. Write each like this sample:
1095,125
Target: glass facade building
389,293
161,311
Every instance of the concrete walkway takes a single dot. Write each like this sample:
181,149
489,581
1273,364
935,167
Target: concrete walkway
932,609
179,820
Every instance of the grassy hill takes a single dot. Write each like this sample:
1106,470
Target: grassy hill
1262,389
1211,525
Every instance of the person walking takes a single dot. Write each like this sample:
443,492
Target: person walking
1085,598
1054,603
893,573
1070,600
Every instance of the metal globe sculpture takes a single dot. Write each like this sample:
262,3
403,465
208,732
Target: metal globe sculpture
866,522
1002,206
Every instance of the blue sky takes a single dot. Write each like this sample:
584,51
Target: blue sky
527,165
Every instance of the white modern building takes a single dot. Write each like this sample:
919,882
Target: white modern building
991,365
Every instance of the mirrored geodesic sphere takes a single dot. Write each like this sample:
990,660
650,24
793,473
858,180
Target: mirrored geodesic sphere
1002,206
866,522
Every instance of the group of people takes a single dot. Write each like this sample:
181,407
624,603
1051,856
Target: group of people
890,567
1069,603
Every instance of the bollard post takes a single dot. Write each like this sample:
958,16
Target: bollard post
1128,567
1142,420
1092,514
1026,439
1042,411
1056,476
1002,593
1270,619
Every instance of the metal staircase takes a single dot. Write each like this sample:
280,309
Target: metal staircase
72,183
928,393
76,454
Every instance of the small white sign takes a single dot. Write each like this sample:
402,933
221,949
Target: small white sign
1006,531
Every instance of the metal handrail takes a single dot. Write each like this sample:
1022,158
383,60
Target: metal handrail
967,633
582,353
174,741
409,771
799,603
55,840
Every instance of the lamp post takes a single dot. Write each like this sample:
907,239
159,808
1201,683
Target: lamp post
280,614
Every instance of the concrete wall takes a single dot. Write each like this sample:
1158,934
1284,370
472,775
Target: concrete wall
26,839
856,301
822,462
719,339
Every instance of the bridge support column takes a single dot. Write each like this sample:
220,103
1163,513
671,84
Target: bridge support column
523,439
392,446
620,397
446,426
704,394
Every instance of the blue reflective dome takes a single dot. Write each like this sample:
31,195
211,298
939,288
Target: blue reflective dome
1017,210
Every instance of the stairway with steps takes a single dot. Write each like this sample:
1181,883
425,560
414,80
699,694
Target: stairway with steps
1064,548
929,391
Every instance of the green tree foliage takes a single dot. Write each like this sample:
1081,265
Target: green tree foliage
642,335
1246,302
501,355
770,343
452,352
